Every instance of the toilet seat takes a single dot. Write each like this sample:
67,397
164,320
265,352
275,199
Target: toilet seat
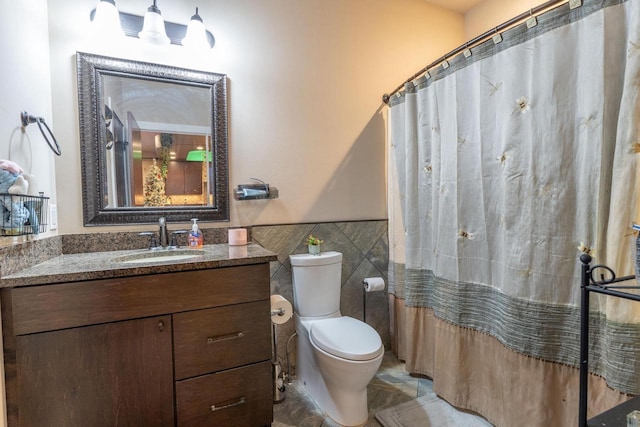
347,338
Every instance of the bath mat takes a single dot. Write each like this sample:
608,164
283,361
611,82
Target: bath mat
428,411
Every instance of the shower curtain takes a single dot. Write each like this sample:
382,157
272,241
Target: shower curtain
503,168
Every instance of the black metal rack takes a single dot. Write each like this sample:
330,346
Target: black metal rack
602,280
33,209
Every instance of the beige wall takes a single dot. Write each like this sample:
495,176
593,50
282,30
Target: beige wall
490,13
305,81
305,86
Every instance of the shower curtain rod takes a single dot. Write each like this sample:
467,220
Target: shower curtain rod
536,11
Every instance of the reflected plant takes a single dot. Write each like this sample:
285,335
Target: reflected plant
166,141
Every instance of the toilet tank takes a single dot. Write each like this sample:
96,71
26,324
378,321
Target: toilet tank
316,283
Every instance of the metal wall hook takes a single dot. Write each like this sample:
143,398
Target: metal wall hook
27,119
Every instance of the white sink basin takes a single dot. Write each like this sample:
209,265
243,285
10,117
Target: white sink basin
169,255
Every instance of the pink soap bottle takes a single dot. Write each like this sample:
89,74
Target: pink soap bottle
195,236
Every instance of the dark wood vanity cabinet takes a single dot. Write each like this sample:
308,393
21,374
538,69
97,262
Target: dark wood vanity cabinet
175,349
116,374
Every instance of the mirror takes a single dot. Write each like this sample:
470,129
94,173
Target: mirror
153,142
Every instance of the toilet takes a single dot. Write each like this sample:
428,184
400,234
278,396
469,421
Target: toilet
337,355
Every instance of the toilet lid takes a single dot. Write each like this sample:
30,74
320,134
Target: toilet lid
346,337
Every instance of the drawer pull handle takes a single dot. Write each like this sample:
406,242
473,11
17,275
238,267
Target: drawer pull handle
215,408
219,338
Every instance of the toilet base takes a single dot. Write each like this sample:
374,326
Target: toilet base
346,407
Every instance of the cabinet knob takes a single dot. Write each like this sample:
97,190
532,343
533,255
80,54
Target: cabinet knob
161,326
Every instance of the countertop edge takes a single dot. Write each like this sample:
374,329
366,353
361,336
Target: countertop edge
98,265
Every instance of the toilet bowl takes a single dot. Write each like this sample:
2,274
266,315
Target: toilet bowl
338,382
337,355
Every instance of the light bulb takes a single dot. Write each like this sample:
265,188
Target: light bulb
106,21
196,37
153,29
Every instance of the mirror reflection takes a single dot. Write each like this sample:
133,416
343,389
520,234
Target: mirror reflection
161,141
156,154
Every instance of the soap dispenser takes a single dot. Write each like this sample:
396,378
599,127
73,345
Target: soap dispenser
195,236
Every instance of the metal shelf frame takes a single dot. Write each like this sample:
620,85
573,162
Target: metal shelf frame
602,280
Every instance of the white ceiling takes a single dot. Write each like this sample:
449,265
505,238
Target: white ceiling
460,6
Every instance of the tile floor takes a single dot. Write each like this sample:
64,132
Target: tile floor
391,386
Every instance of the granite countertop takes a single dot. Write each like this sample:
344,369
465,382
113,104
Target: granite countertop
104,265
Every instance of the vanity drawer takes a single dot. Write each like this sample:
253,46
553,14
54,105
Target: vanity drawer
67,305
241,397
221,338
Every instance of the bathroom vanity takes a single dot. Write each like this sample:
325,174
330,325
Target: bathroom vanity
146,344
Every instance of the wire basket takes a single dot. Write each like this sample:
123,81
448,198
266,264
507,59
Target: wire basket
21,215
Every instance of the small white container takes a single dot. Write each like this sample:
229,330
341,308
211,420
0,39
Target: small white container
237,236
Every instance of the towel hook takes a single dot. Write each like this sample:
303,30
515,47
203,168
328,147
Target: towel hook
27,119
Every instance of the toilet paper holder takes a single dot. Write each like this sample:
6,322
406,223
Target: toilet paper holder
280,307
278,312
370,284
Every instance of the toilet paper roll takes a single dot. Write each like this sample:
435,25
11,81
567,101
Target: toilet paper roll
278,302
373,284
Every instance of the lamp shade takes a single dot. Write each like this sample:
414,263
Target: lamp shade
106,21
196,37
199,156
153,29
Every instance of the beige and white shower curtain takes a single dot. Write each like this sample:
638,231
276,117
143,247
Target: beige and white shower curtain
503,168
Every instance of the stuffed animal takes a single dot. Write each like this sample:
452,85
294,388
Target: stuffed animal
13,212
11,166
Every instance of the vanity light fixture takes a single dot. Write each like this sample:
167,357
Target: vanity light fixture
153,30
106,19
150,28
196,37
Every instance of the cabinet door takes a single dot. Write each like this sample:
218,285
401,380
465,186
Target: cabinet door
114,374
174,185
193,178
183,178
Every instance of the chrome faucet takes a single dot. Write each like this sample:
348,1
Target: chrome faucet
162,242
163,234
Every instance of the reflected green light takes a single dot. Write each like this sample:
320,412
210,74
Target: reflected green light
198,156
